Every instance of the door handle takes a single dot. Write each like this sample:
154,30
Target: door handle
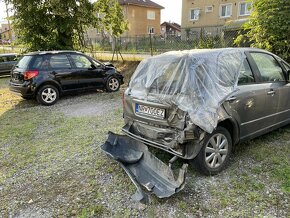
271,92
231,99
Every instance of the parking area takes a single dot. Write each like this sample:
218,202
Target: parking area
51,165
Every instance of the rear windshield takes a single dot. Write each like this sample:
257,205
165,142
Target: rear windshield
24,62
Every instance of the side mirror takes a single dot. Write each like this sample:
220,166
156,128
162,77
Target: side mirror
93,67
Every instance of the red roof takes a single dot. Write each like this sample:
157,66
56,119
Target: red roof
144,3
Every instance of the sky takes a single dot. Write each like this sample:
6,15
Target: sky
172,11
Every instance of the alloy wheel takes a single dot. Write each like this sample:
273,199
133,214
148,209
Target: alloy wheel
216,150
48,95
114,84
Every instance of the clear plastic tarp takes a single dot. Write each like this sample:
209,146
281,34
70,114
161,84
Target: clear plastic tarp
196,81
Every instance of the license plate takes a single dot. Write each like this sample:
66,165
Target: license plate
150,111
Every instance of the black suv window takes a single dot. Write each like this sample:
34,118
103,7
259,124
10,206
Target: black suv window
246,75
59,62
81,61
24,61
41,63
269,68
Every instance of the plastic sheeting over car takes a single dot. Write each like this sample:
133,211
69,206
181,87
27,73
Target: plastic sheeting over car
195,81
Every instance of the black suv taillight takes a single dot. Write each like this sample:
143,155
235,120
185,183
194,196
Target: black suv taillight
30,74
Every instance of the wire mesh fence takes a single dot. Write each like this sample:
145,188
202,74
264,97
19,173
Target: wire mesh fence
153,44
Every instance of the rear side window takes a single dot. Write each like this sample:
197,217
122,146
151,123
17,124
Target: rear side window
246,75
40,63
24,62
59,62
11,58
269,68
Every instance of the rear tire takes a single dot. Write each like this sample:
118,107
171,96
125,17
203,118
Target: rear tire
215,153
47,95
113,84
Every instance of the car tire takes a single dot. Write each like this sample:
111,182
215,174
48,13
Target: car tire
215,153
47,95
113,84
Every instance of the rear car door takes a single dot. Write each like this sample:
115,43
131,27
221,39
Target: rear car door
63,71
277,88
89,73
248,103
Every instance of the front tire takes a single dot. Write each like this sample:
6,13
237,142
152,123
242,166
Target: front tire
47,95
215,153
113,84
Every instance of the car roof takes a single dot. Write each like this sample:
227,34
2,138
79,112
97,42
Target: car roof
8,54
53,52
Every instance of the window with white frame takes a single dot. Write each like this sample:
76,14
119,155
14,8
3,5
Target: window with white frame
151,15
194,13
151,30
225,10
245,8
208,9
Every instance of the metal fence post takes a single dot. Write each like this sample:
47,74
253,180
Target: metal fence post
151,45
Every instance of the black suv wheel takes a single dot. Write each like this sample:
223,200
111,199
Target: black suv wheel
215,153
112,84
47,95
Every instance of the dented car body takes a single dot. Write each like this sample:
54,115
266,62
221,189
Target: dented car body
197,104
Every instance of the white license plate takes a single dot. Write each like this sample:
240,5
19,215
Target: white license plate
150,111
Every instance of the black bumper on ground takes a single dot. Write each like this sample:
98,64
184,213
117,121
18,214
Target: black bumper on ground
144,168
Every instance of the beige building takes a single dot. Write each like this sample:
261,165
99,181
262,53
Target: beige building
209,17
143,17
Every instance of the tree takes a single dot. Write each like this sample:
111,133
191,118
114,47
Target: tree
269,26
52,24
111,17
112,20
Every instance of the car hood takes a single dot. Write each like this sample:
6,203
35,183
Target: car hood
196,81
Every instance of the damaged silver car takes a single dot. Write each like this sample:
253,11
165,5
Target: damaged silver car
196,105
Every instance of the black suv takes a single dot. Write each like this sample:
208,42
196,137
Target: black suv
48,74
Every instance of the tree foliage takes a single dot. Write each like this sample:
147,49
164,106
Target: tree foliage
111,17
52,24
269,26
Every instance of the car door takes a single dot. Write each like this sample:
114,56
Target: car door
2,65
277,88
63,71
247,104
90,74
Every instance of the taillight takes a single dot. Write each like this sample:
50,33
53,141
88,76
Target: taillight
30,74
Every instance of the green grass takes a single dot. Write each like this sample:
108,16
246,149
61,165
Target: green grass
55,161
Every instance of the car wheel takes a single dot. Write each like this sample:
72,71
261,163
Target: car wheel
47,95
215,152
113,84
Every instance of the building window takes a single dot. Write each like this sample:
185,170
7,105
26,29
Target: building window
245,8
208,9
151,15
151,30
194,14
226,10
